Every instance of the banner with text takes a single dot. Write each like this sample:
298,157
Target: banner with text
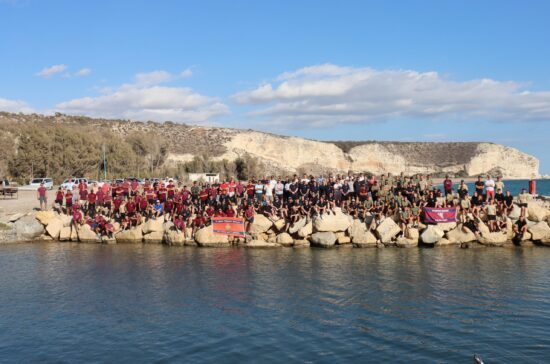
435,215
228,226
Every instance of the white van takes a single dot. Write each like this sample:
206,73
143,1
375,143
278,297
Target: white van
69,183
35,183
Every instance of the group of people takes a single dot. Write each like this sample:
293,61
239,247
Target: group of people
129,203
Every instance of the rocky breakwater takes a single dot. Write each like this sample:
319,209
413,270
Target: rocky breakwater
330,230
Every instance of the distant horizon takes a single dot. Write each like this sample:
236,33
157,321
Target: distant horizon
353,70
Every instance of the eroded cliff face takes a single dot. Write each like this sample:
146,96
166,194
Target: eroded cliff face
280,154
297,155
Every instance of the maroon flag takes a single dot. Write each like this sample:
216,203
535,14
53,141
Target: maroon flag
435,215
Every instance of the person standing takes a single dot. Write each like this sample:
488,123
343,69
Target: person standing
42,197
448,185
490,188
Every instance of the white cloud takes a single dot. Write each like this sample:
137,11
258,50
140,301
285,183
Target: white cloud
48,72
15,106
152,78
329,94
83,72
188,72
147,100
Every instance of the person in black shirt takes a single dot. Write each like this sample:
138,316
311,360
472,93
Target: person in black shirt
479,186
508,202
520,227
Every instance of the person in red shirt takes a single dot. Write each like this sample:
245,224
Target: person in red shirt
68,201
83,196
168,208
198,223
229,212
41,196
59,197
219,213
179,224
134,186
91,203
78,219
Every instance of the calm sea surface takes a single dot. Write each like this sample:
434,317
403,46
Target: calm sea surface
147,303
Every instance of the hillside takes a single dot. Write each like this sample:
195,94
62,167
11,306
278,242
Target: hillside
60,145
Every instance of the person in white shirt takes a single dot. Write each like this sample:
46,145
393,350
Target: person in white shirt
490,188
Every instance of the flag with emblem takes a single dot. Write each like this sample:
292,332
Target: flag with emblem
436,215
233,226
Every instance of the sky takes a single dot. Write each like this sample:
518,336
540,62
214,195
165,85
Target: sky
425,70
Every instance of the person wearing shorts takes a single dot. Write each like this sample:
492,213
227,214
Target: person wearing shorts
42,198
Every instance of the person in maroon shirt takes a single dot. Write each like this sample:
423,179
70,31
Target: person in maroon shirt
77,220
41,196
100,197
116,204
92,197
168,208
130,207
198,223
83,196
179,224
107,201
134,186
229,212
68,201
59,197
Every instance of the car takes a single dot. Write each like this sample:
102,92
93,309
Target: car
35,183
69,183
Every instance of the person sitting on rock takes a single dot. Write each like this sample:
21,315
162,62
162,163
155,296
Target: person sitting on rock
520,227
508,203
471,225
158,210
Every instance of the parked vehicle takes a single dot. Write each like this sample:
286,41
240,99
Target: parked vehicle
35,183
69,183
8,188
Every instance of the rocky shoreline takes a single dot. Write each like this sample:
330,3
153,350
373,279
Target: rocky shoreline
334,230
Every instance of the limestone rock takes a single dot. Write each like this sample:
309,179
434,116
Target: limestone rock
54,227
285,239
403,242
539,231
45,216
431,235
154,237
205,237
279,224
261,224
342,238
332,222
257,243
15,217
536,212
301,243
323,239
494,239
173,237
68,234
458,236
293,229
365,239
87,235
28,228
445,242
306,231
446,226
152,225
133,235
515,213
387,230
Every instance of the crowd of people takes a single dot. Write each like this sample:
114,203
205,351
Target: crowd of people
129,202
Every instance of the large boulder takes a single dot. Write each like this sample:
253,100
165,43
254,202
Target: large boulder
67,233
445,242
539,231
536,212
410,239
342,238
134,235
494,239
360,236
301,243
332,222
279,224
446,226
305,231
54,227
293,229
515,213
258,243
285,239
153,225
87,235
260,225
205,237
154,237
458,236
174,237
387,230
323,239
28,228
66,220
431,234
45,216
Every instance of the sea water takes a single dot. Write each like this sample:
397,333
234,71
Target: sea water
151,303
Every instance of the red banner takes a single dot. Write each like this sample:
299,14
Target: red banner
434,215
228,226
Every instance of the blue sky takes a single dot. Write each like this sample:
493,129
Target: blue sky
399,70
